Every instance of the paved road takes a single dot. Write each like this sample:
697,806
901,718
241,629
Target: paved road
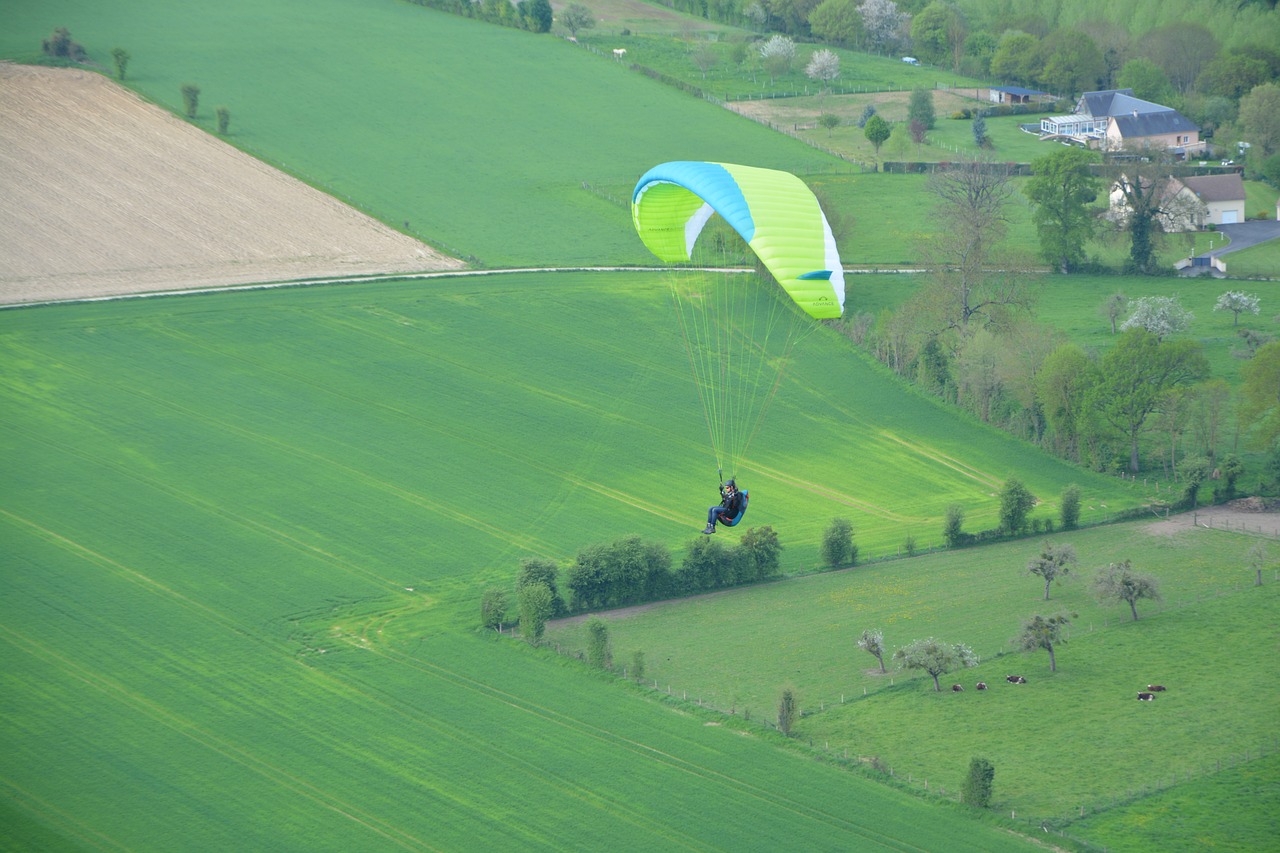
1246,234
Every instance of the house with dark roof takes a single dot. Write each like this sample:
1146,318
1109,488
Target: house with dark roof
1116,119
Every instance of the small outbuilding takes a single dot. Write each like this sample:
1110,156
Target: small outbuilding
1014,95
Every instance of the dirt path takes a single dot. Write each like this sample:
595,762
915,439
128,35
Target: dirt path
105,194
1248,515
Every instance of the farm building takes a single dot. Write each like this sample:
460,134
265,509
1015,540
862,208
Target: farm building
1116,119
1015,95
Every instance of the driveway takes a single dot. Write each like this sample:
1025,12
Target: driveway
1246,234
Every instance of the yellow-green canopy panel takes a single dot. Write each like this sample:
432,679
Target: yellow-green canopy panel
774,211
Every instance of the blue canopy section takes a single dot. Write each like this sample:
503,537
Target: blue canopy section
709,181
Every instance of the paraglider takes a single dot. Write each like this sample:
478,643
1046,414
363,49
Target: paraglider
732,506
739,332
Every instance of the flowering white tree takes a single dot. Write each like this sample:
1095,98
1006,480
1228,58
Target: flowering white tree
935,657
1159,315
883,21
778,53
1237,302
824,66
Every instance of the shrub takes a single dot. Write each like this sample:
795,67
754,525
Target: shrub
191,99
978,783
837,542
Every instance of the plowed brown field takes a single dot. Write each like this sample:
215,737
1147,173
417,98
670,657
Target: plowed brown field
103,194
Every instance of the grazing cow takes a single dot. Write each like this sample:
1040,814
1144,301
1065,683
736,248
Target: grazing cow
1146,697
1015,679
619,52
982,685
956,688
1156,688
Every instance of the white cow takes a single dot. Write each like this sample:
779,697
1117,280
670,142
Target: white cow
619,52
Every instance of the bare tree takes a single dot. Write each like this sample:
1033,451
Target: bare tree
965,283
1116,304
1119,582
1044,632
1053,562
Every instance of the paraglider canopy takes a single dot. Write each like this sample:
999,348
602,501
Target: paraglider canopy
774,212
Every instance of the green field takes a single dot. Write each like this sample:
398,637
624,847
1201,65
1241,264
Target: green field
1065,741
245,534
724,79
480,137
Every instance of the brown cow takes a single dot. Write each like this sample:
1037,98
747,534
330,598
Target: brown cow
1156,688
1015,679
982,685
1146,697
956,688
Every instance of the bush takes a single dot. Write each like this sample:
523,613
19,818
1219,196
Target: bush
191,99
978,783
837,543
1071,507
951,532
60,45
493,608
599,651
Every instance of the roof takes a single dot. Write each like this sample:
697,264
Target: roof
1117,102
1017,90
1153,124
1209,188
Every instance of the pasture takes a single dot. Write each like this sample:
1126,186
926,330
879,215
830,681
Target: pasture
1064,741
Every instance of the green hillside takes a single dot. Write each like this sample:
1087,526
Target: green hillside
481,138
738,650
247,532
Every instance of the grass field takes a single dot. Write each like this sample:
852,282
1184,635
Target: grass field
725,79
247,534
487,159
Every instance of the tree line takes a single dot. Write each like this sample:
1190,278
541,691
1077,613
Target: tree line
628,571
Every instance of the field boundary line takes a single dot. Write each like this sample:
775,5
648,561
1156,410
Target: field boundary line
365,278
